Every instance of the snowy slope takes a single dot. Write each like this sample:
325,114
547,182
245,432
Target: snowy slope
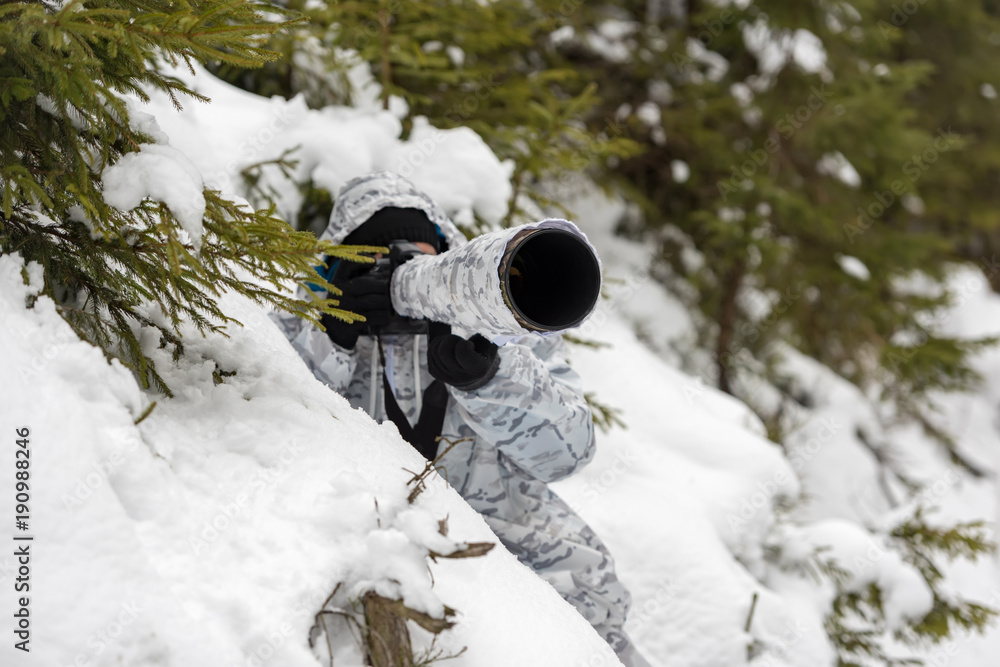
211,533
686,495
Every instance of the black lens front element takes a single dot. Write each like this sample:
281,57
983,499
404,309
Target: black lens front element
553,280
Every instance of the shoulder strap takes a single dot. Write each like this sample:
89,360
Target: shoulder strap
424,436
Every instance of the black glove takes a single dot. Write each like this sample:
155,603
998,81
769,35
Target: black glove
464,364
364,295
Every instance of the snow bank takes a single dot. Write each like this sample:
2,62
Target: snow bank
212,532
330,147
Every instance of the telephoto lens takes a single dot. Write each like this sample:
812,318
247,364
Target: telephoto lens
538,278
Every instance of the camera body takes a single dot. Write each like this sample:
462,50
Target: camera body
400,251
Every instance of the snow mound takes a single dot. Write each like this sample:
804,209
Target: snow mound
211,532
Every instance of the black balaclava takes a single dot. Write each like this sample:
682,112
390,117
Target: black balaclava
391,224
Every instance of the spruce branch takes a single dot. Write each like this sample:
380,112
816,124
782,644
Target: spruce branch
65,75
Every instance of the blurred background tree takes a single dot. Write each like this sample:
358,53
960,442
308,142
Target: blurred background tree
799,164
487,66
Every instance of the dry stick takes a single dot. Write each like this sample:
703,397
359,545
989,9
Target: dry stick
746,626
471,550
753,606
326,633
420,479
320,620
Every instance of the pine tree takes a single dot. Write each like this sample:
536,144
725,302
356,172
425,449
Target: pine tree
795,174
763,212
800,165
67,77
460,63
961,41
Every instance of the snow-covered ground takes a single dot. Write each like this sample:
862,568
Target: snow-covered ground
685,495
213,531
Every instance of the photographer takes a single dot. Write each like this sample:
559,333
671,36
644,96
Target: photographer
517,411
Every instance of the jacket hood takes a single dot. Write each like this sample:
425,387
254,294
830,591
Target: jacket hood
362,197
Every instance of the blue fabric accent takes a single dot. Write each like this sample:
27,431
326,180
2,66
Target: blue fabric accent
325,273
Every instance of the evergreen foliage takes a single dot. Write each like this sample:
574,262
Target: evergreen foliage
461,63
857,622
961,41
801,162
66,75
764,213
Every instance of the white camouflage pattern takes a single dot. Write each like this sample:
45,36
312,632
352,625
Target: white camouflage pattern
462,286
528,426
362,197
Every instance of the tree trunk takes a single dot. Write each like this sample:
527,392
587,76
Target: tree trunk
383,19
388,638
727,324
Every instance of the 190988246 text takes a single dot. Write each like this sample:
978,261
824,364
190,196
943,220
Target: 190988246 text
22,540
